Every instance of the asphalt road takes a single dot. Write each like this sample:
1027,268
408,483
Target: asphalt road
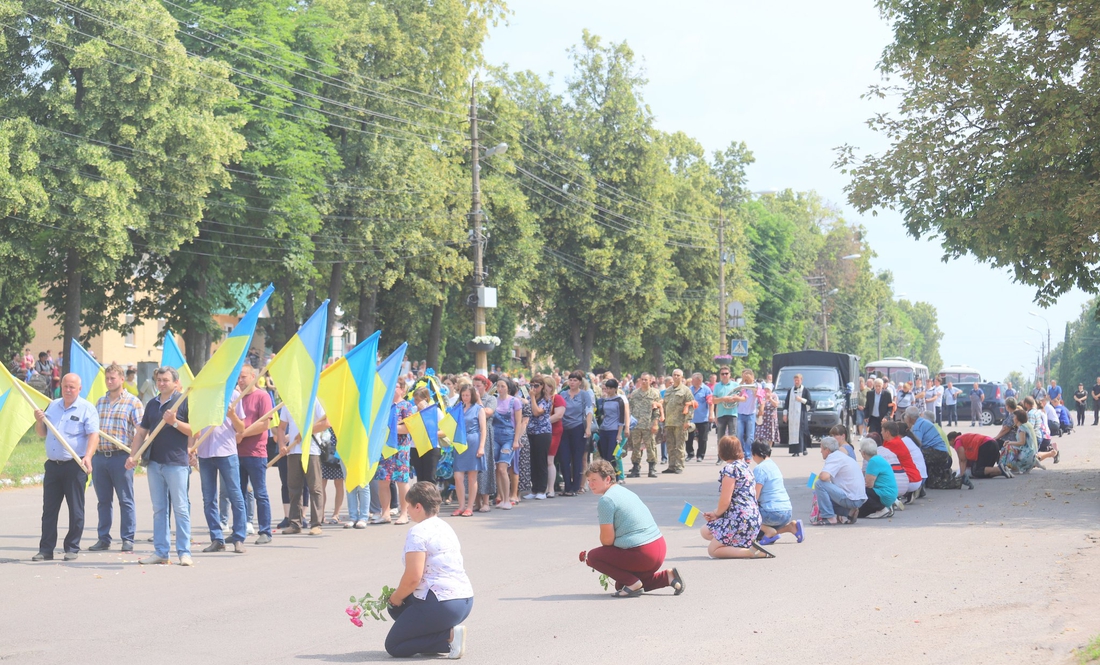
1006,573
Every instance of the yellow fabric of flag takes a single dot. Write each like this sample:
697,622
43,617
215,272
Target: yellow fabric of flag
16,415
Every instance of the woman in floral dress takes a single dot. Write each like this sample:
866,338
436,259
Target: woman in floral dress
768,430
732,528
396,468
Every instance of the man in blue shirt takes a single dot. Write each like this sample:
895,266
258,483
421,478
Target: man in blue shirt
1055,391
704,413
78,422
932,446
725,406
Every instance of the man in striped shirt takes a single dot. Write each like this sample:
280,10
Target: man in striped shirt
119,416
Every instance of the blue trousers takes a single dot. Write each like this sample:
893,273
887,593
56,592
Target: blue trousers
110,478
571,457
230,471
746,432
359,500
424,626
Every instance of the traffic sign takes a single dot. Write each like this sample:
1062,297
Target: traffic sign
739,348
735,309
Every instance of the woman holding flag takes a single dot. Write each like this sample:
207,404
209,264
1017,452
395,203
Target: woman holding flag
396,468
732,527
472,460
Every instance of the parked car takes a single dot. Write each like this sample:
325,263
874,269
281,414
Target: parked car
993,406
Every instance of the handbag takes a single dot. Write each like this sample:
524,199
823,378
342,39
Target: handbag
326,441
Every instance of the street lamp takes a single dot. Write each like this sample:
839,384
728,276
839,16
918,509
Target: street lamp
1047,363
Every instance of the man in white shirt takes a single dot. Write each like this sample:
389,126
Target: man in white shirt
290,438
840,486
933,399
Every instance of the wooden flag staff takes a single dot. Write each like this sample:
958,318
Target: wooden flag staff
113,441
50,426
210,430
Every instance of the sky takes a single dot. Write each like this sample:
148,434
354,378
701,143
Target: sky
786,77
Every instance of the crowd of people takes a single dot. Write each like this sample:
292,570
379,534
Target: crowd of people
528,439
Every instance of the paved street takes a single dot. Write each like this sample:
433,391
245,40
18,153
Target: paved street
1006,573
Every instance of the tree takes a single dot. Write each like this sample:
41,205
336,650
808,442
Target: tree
993,148
1017,379
127,141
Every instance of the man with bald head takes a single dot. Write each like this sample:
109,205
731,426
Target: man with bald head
78,422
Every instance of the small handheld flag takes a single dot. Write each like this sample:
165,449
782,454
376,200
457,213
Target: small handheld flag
423,427
812,481
688,514
620,449
451,428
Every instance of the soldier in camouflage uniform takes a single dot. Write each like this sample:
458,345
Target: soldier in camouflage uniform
645,406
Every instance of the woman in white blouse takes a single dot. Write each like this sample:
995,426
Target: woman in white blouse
434,595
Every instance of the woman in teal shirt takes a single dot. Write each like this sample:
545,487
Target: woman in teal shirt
633,549
882,488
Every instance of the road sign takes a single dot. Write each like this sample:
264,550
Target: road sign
735,309
735,322
739,348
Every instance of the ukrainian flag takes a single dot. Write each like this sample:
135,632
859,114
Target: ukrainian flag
346,388
451,429
296,369
212,389
171,356
16,415
688,514
93,383
383,431
423,427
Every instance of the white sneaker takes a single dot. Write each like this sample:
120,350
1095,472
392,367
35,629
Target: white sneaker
540,497
185,560
879,514
898,505
528,496
394,512
249,529
458,644
505,505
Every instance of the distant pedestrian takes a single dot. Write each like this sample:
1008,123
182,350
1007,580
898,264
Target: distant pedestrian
1080,402
1096,402
977,396
950,404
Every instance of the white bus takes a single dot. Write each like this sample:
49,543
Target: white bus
896,369
960,375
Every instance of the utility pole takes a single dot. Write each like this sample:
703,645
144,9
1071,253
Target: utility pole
819,282
722,337
481,358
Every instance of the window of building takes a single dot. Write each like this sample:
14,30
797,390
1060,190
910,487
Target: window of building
129,340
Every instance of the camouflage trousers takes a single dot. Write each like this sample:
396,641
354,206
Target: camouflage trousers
642,437
676,436
940,475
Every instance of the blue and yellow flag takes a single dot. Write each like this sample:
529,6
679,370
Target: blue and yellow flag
346,389
16,415
451,429
93,384
296,369
171,356
423,427
212,388
812,482
383,430
688,514
620,449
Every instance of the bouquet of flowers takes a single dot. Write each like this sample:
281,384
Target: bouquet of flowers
367,605
605,581
486,339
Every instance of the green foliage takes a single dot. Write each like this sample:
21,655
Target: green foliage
992,148
1016,378
1091,652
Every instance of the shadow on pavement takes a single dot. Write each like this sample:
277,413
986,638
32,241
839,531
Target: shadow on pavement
568,596
355,657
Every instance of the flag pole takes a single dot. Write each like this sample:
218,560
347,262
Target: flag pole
209,430
156,430
113,441
50,426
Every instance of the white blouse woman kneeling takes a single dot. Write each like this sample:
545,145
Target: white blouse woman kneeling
434,595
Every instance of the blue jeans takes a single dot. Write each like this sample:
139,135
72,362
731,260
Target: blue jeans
230,470
168,484
254,469
110,477
359,503
830,498
424,626
571,457
223,499
746,432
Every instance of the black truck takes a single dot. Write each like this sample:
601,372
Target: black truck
830,378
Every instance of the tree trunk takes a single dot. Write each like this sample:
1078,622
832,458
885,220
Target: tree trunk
368,300
434,335
589,344
658,358
615,361
289,320
335,284
197,342
575,338
71,325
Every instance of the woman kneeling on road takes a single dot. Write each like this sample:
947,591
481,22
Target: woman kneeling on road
732,527
434,595
771,495
633,548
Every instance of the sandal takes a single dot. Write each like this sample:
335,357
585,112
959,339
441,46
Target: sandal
677,582
457,513
484,509
767,554
333,521
627,592
379,520
467,513
403,520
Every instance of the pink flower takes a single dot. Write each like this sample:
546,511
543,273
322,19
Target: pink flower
354,611
357,621
583,553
